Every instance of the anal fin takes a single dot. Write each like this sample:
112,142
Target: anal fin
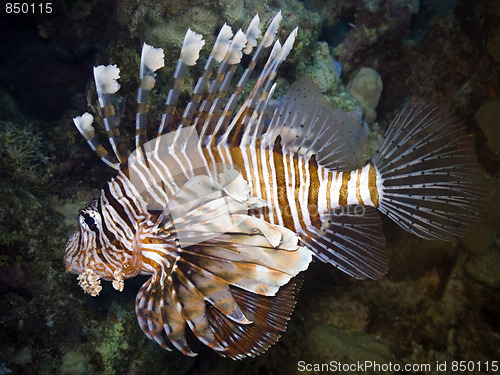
351,239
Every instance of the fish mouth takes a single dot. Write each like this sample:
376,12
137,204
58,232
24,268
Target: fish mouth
70,252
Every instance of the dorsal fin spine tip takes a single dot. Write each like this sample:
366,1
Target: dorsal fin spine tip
191,47
151,58
106,79
271,30
222,43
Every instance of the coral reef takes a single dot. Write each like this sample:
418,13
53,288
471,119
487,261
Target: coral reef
22,154
74,363
485,268
323,71
324,340
439,302
4,370
366,88
487,118
113,348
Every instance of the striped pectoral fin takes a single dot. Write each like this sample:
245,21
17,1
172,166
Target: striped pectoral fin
233,321
269,315
192,305
244,251
229,337
157,311
213,289
249,276
175,325
351,239
227,264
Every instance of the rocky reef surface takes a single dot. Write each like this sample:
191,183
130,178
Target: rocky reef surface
439,302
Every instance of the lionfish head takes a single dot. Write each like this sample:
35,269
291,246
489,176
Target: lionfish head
85,248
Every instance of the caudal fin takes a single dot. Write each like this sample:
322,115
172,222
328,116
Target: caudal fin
432,183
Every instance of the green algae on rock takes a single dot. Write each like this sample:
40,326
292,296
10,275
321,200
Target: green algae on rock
22,154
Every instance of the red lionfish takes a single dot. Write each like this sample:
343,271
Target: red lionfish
225,207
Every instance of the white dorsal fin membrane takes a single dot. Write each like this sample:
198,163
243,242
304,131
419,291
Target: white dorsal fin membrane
222,43
245,113
219,50
106,81
270,34
281,56
84,125
252,33
351,242
233,58
190,52
221,129
258,99
261,95
235,51
264,75
216,91
431,182
152,59
242,119
106,85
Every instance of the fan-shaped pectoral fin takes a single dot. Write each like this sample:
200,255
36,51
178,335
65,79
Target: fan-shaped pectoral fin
157,312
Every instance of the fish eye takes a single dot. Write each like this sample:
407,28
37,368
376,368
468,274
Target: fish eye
90,221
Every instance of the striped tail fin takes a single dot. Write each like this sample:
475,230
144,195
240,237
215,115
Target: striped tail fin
432,184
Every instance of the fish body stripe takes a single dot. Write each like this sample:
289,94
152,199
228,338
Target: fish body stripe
344,191
338,189
277,212
358,187
374,184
